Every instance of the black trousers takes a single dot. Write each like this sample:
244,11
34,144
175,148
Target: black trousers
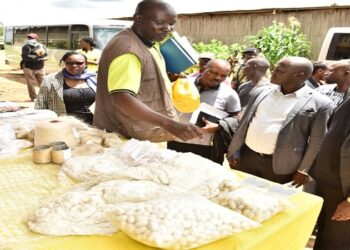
219,149
331,235
260,165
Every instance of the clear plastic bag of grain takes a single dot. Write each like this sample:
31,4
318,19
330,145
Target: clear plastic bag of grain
252,203
82,210
179,222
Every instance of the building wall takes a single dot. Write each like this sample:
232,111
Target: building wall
232,27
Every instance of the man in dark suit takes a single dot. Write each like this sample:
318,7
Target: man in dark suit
332,174
255,71
283,126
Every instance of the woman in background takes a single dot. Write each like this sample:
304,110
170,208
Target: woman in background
87,48
71,91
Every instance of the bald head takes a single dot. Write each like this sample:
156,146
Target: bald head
343,64
301,65
292,71
219,63
255,69
261,63
153,20
147,6
339,73
215,72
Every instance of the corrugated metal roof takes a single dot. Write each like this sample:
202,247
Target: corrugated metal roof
273,10
187,7
182,6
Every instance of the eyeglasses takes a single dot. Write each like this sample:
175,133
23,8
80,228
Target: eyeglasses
74,63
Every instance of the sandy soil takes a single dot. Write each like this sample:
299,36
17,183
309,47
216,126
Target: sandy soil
12,84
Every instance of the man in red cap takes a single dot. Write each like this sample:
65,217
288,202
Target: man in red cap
32,36
33,56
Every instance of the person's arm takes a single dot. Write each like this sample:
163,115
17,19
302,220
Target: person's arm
43,96
233,104
240,87
124,77
317,134
25,54
134,108
95,59
44,57
92,62
210,127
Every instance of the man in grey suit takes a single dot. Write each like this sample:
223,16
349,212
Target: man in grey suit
283,127
332,174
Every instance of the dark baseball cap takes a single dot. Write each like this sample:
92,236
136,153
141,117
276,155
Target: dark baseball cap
250,50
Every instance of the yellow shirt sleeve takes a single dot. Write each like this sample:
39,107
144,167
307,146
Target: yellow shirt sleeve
124,74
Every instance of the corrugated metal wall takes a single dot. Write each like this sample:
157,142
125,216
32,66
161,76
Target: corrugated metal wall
232,27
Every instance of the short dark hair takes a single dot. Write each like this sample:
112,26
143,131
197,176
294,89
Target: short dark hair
319,65
68,54
89,40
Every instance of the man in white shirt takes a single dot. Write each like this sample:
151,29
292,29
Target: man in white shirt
216,93
283,127
255,70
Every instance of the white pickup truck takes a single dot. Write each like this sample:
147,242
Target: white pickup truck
336,45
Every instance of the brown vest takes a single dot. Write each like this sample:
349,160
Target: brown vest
152,92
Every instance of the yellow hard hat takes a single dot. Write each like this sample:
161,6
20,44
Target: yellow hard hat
185,96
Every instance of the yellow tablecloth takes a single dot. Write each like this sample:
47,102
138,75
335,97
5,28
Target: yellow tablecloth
23,184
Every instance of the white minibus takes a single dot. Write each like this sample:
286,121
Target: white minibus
59,38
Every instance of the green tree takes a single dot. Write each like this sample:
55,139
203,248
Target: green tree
220,50
280,40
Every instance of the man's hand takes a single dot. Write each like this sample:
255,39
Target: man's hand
134,108
342,213
40,52
232,162
300,179
184,131
174,76
210,127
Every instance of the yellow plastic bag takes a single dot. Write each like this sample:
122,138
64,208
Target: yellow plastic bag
185,96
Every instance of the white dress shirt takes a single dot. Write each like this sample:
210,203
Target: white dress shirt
268,120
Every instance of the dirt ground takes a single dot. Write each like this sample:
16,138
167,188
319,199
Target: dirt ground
12,84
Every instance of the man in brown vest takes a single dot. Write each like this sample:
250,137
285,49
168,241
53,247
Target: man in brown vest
133,92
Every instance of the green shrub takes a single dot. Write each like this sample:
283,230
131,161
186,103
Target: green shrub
280,40
275,42
220,50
